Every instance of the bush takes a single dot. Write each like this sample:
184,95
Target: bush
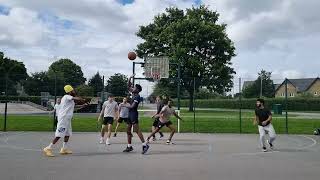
294,104
34,99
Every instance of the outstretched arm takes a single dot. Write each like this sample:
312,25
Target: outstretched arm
177,116
130,85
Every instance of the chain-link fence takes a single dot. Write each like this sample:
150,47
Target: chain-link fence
295,104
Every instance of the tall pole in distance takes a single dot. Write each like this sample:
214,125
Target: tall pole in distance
260,86
103,90
194,107
240,106
6,105
286,102
55,100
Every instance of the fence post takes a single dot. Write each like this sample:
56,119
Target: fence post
240,106
194,105
286,103
6,106
178,93
55,100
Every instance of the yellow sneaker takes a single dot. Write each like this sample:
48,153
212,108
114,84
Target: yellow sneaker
65,151
48,152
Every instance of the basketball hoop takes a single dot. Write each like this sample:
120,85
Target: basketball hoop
156,68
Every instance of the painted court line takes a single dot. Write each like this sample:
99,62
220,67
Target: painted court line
311,145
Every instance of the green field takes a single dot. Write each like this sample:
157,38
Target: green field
205,122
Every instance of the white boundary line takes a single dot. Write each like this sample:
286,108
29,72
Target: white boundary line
10,146
270,152
310,138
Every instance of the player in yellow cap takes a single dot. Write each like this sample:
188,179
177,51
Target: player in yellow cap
65,114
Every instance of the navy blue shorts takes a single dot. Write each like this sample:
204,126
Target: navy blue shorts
133,118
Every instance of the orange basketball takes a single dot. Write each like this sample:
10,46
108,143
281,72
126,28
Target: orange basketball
132,56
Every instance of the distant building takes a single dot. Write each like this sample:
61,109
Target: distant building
299,86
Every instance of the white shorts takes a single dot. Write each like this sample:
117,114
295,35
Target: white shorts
64,127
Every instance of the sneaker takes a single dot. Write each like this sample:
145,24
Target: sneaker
65,151
264,149
145,149
169,142
101,141
270,144
108,142
128,149
115,135
48,152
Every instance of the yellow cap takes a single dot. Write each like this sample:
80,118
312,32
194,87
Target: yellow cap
68,88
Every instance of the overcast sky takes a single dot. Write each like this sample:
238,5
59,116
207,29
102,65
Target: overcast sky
282,36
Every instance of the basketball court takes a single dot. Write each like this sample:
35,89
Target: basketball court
194,156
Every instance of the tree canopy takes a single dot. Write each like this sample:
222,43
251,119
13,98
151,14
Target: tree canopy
196,40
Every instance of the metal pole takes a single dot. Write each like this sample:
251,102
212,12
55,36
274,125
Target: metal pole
133,71
240,105
103,90
6,106
286,102
178,93
260,86
55,100
194,107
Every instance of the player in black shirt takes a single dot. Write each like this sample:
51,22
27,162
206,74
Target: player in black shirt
134,117
263,118
156,118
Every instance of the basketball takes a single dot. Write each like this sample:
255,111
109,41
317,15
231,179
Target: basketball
132,56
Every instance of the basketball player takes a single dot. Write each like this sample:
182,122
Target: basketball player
124,114
164,120
109,112
263,118
156,118
64,128
134,117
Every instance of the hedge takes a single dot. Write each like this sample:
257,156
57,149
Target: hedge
294,104
34,99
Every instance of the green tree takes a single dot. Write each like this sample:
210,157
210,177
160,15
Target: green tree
85,90
35,84
66,72
165,87
117,85
12,71
197,41
96,83
254,90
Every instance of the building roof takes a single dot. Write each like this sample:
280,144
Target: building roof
302,85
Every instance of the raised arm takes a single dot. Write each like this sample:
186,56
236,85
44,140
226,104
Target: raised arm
130,85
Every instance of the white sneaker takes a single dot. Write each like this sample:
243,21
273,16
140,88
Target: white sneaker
108,142
101,141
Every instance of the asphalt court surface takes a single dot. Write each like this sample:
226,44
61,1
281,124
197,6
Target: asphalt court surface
194,156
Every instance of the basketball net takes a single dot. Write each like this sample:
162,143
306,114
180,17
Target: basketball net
156,76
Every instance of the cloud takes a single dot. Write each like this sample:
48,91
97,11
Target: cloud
281,36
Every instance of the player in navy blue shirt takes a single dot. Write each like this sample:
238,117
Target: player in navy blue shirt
134,117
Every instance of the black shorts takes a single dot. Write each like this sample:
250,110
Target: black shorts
123,119
133,118
156,122
107,120
160,124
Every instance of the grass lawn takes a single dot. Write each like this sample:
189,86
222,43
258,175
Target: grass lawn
205,122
